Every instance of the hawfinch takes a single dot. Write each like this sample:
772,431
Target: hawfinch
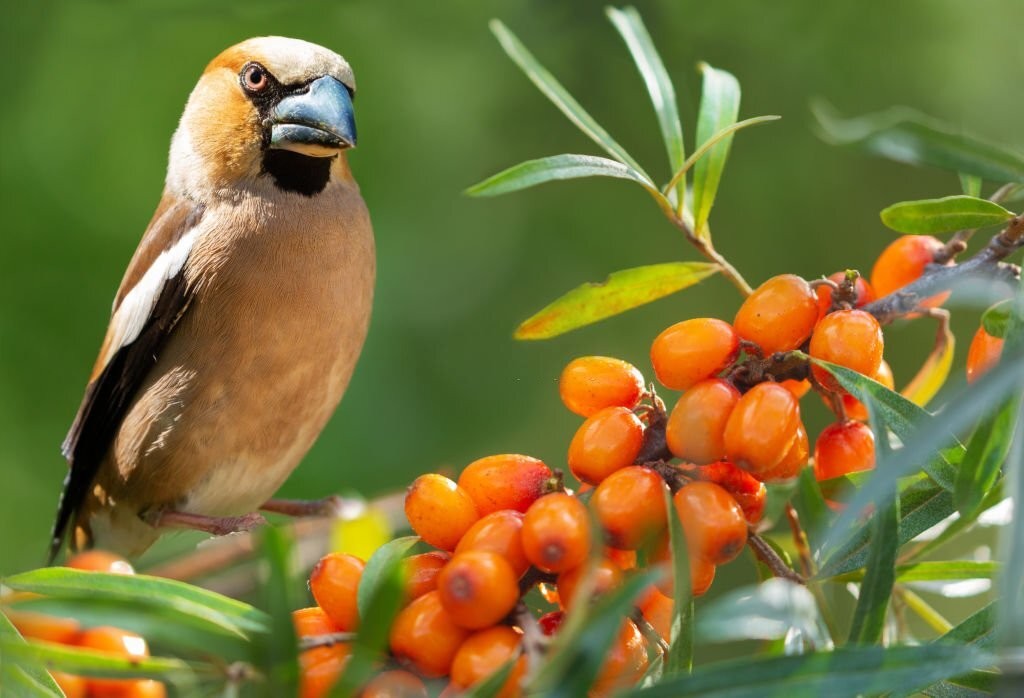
241,314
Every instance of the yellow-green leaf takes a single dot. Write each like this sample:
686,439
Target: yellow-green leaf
934,371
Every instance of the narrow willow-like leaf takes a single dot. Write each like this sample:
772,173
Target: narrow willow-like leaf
996,318
977,629
986,452
33,678
277,652
705,147
970,184
156,592
934,371
810,506
935,571
907,136
533,172
679,659
88,662
621,291
663,95
719,107
377,569
844,673
930,216
559,96
767,611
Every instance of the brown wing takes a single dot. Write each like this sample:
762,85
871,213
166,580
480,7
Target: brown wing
152,298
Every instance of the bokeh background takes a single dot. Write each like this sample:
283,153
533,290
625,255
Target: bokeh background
93,91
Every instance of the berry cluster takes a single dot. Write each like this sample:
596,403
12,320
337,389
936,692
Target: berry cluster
105,639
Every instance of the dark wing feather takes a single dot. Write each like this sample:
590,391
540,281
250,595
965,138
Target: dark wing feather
115,382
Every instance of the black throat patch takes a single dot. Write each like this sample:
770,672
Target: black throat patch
297,173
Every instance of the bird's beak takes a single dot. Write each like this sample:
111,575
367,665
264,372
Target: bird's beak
318,122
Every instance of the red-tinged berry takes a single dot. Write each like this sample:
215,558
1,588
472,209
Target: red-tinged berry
749,492
843,448
863,293
504,481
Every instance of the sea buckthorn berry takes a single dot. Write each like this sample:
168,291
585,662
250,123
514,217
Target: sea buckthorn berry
842,448
762,428
313,621
623,559
692,350
114,641
630,504
607,576
395,683
334,582
696,428
864,293
853,407
983,354
439,511
624,664
477,589
779,315
903,262
702,571
656,609
608,441
799,388
550,622
715,528
144,688
320,667
506,481
591,383
425,637
39,626
485,652
556,532
73,685
100,561
850,338
500,532
749,492
794,460
421,572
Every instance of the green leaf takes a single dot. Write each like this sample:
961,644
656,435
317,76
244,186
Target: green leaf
77,660
533,172
810,506
35,680
559,96
879,576
204,608
679,658
971,184
700,152
277,652
719,107
767,611
986,452
379,569
621,291
663,95
845,673
996,318
975,630
907,136
930,216
935,571
494,684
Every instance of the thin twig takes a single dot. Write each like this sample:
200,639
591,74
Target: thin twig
325,640
803,546
650,632
766,554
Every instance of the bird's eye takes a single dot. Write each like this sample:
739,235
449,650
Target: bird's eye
254,78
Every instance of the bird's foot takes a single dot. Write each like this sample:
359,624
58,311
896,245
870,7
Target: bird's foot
332,506
214,525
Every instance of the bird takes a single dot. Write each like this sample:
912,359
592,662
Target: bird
241,315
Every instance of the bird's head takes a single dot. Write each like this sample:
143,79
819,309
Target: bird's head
269,108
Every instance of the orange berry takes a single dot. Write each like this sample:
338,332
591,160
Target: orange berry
313,621
762,428
624,664
630,504
73,685
425,637
794,460
144,688
39,626
702,572
696,428
842,448
903,262
779,315
657,609
395,683
983,354
556,532
506,481
864,293
100,561
799,388
477,589
114,641
853,407
591,383
439,511
749,492
320,667
715,528
334,582
485,652
606,442
692,350
421,572
550,622
850,338
607,576
624,559
500,532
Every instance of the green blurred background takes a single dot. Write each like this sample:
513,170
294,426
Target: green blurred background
93,91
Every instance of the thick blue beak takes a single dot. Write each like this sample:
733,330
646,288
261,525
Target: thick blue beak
318,122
